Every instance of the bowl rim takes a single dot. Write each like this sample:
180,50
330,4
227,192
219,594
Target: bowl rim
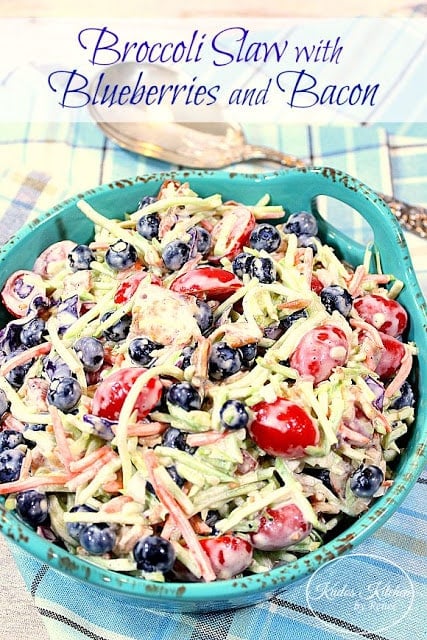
278,578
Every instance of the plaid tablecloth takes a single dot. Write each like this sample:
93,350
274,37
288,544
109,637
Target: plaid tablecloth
44,164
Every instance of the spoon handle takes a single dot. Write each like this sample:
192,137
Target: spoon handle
411,217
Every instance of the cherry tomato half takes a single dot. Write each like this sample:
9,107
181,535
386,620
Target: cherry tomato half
228,554
113,390
391,357
19,291
280,527
319,351
282,428
211,282
239,224
386,315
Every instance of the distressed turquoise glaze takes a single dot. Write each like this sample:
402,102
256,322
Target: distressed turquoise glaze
295,190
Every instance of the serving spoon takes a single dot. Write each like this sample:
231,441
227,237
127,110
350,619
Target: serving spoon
199,145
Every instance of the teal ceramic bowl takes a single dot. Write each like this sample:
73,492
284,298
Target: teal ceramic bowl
295,190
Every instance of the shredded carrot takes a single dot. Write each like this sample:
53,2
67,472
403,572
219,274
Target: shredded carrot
356,280
401,375
64,452
116,504
24,357
180,519
85,462
33,482
299,303
85,476
205,438
142,429
114,485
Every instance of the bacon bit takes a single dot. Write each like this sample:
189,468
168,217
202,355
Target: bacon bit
64,452
83,463
24,357
200,526
85,476
181,521
308,265
169,528
200,361
401,375
206,438
10,422
299,303
236,334
167,223
36,392
249,463
33,482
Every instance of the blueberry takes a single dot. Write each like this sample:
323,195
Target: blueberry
234,415
118,331
288,321
241,264
121,255
406,397
140,351
179,480
183,395
248,353
224,361
322,474
64,394
80,258
148,226
10,464
204,316
75,528
304,241
185,357
97,538
4,403
90,353
9,439
16,376
265,237
200,239
145,201
366,481
154,553
32,333
301,223
56,368
212,518
174,438
263,269
336,298
175,255
32,506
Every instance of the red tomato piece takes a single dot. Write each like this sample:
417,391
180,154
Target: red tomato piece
228,554
238,233
391,358
20,289
386,315
112,392
319,352
56,253
316,285
211,282
282,428
280,527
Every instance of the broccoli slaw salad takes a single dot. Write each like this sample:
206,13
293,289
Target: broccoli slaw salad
201,392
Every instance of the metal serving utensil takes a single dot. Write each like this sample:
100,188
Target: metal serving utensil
202,145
